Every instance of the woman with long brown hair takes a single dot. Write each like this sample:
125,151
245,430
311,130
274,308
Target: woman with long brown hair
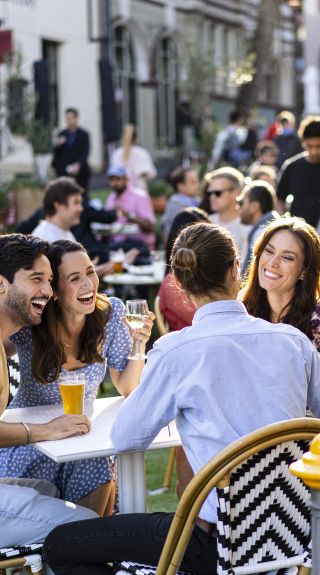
81,331
284,278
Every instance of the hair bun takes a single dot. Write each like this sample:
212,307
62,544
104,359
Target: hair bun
185,259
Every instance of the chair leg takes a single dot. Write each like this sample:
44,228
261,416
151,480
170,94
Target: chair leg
167,476
304,570
169,471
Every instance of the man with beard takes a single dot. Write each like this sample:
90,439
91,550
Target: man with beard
29,508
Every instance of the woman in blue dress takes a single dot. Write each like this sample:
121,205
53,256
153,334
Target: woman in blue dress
81,331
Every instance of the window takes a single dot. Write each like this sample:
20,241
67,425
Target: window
125,75
166,76
50,55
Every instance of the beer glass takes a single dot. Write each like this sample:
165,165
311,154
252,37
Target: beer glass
136,314
72,388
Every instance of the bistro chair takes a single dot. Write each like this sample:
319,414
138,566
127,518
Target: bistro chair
162,325
14,375
263,511
26,556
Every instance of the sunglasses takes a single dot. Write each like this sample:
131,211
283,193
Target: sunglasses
218,193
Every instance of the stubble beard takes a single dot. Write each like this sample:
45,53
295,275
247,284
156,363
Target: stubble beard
17,307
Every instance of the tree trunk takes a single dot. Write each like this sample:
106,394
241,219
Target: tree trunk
261,46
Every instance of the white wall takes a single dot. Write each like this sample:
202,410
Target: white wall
63,21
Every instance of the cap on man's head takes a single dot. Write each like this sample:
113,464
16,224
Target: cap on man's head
117,172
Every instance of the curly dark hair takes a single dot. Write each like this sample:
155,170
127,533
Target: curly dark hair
49,354
18,252
299,310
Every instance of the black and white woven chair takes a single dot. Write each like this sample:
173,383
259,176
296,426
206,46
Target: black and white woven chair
14,375
27,556
263,511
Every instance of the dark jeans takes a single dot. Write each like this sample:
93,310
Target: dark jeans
85,547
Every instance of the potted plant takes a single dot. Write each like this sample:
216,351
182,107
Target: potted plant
40,138
27,196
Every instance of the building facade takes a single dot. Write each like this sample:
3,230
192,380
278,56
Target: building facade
148,44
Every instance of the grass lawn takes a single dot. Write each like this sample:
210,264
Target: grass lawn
156,463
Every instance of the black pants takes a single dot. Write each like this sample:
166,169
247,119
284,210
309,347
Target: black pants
85,547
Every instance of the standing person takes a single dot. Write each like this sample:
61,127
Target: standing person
27,510
199,376
229,141
186,185
135,159
134,206
300,176
81,332
286,138
70,154
175,305
224,186
256,208
62,208
284,279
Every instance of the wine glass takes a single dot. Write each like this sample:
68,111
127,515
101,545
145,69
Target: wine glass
136,314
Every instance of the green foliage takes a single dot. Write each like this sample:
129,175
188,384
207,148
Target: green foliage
40,137
158,188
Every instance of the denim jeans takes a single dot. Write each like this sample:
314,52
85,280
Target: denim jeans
29,510
86,547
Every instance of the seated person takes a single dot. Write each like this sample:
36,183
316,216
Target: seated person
82,331
177,308
135,206
29,508
200,376
62,207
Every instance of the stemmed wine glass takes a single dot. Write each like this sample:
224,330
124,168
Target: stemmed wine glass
136,314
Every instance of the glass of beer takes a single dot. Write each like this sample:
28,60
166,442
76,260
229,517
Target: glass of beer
117,260
72,387
136,314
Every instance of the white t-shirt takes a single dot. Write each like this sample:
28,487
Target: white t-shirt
51,232
237,229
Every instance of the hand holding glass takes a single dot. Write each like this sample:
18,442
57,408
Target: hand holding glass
72,388
136,314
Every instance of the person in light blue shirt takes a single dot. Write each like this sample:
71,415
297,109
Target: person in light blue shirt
186,185
221,378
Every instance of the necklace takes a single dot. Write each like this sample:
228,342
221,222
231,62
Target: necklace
67,344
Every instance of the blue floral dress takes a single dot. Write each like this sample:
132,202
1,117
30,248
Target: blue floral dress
74,479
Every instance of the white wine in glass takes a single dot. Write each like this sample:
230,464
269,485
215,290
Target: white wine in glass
136,314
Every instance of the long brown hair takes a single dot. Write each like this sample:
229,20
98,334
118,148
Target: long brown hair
299,310
48,348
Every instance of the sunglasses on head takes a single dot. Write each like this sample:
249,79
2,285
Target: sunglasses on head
218,193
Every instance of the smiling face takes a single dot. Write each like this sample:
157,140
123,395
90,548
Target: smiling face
223,194
77,284
29,292
281,263
69,214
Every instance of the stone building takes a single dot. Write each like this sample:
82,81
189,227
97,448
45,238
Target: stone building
149,42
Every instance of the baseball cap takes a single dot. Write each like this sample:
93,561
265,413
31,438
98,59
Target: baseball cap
117,172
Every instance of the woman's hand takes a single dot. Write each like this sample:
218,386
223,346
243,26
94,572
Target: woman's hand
143,334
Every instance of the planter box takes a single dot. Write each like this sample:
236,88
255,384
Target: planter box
27,201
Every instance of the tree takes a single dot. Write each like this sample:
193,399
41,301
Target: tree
261,46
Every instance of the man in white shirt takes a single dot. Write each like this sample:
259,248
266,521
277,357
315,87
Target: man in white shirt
224,187
62,206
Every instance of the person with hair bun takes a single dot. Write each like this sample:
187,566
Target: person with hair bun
201,376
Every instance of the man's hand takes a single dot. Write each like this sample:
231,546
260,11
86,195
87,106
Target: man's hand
75,168
65,426
61,141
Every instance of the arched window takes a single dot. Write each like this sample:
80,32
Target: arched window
167,77
125,75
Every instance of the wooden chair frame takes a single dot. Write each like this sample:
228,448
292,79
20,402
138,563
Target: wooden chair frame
214,473
162,325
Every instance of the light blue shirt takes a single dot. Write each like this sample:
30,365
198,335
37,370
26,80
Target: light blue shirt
176,203
221,378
